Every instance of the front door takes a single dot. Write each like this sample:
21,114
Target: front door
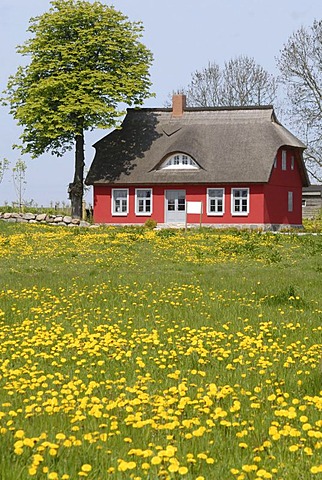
175,206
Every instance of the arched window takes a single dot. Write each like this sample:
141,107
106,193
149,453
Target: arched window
179,161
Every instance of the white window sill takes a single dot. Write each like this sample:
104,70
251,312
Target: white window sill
143,214
213,214
125,214
240,214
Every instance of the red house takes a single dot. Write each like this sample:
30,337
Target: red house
215,166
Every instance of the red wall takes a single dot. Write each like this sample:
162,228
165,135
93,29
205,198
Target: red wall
102,205
268,202
276,192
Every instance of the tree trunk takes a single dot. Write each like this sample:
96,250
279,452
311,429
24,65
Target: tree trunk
76,189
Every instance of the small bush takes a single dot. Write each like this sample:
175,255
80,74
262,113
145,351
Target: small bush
150,224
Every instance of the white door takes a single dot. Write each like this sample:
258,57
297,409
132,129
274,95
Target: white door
175,206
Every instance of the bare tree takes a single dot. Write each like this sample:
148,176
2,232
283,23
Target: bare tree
247,83
300,64
242,82
205,87
19,180
4,165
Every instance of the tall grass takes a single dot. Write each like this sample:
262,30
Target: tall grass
135,354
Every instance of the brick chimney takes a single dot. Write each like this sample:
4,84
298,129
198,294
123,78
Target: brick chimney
178,105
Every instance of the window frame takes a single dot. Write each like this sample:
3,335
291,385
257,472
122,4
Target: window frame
292,162
215,213
290,202
114,212
179,161
275,161
144,213
235,213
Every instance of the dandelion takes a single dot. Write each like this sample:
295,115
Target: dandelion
316,469
293,448
86,468
183,470
243,445
53,476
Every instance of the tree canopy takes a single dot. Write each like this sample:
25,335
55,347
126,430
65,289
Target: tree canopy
84,60
300,64
242,82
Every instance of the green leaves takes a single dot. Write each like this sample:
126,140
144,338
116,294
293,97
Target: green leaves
85,59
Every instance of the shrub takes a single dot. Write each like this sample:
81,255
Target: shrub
150,224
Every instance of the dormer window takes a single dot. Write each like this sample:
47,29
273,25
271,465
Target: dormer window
179,161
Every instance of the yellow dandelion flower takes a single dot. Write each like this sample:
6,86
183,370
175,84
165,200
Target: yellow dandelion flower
308,451
293,448
173,468
249,468
183,470
53,476
201,455
32,470
316,469
86,467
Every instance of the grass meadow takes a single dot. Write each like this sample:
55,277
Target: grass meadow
138,354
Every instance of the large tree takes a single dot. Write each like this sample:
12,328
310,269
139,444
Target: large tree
85,59
241,82
300,64
245,82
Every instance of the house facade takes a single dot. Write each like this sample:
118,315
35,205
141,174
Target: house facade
211,166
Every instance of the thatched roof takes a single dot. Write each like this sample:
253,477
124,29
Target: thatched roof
231,145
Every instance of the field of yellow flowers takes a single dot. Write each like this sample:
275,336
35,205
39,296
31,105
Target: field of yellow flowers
138,354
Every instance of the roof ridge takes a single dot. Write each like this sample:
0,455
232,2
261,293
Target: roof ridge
203,109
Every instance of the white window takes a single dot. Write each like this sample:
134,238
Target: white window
290,201
120,201
215,201
292,162
275,162
240,201
143,201
179,161
283,159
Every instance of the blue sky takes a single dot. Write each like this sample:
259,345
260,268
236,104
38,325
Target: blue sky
184,35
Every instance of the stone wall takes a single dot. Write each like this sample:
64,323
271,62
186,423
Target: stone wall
64,220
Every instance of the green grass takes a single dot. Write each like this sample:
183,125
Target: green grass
135,354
